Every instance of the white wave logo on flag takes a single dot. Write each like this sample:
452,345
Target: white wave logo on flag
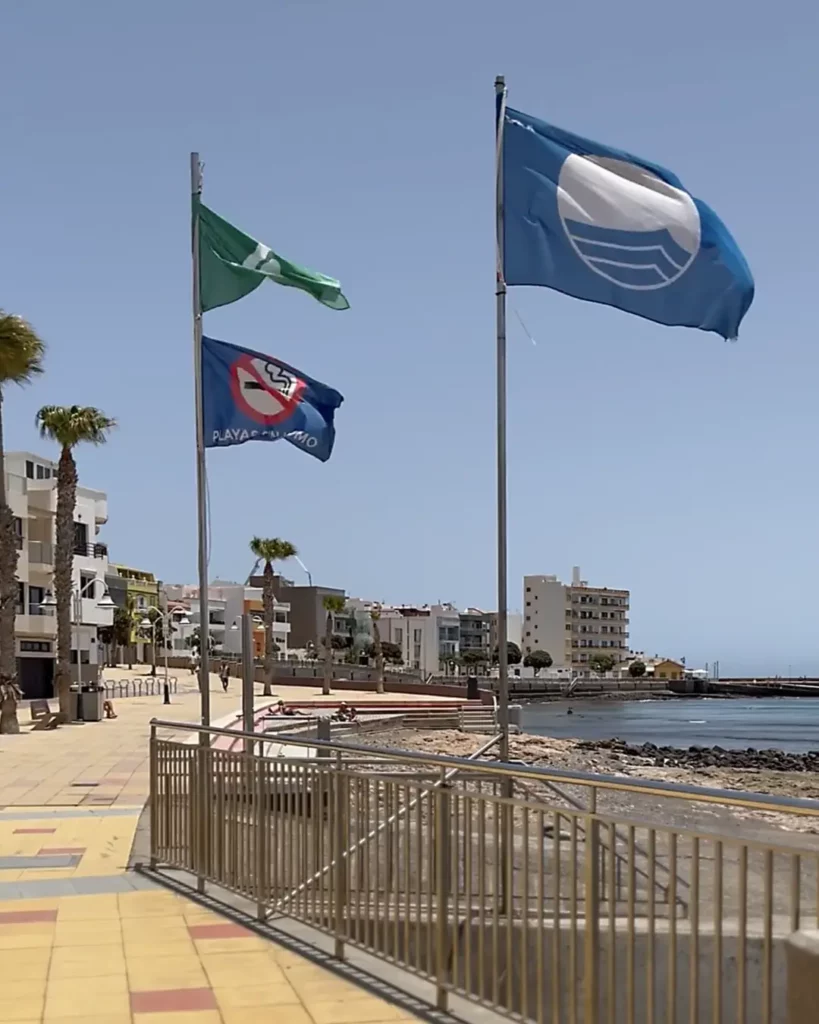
625,223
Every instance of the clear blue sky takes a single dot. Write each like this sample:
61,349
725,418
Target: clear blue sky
356,136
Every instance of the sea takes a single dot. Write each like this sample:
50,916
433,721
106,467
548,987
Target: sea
785,723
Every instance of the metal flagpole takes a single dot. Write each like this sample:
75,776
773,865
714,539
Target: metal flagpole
500,292
201,486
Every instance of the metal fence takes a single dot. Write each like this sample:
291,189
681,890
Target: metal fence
547,896
149,686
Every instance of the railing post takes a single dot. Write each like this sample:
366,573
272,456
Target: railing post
340,871
442,837
200,817
592,931
154,796
261,838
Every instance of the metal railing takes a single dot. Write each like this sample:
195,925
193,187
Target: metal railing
97,550
580,899
146,687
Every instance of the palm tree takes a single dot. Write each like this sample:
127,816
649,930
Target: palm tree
333,605
68,426
21,357
375,615
270,550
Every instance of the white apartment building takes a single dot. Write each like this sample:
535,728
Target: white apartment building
227,602
429,635
31,489
573,621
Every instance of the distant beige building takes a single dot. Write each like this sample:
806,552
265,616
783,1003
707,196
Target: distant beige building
573,621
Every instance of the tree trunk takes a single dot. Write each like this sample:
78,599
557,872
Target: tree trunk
63,563
379,658
268,600
9,690
328,655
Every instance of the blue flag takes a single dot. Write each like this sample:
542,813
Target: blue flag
249,396
606,226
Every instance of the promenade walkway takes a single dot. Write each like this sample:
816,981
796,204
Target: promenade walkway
83,939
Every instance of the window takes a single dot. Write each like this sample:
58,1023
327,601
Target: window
18,532
528,632
528,590
528,618
40,472
29,470
21,598
416,636
399,636
87,581
36,596
85,657
528,604
80,538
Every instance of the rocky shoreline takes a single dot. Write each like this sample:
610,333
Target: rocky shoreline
771,759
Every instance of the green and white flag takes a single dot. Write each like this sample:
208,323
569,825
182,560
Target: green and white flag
232,264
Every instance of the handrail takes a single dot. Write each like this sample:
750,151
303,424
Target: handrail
373,833
758,801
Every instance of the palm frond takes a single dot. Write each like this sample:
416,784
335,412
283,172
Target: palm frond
70,425
21,350
272,549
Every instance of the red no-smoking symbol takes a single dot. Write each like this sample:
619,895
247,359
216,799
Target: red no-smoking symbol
263,390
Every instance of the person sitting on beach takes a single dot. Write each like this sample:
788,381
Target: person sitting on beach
345,713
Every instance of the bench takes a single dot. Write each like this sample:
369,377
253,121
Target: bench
42,715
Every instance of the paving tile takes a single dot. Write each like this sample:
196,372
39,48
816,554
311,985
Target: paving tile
38,862
26,916
106,1018
192,1017
99,907
355,1009
280,994
22,1008
209,946
230,969
264,1015
224,930
33,831
161,972
16,941
47,851
139,948
172,1000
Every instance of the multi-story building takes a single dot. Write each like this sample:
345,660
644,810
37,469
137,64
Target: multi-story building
429,635
31,488
307,613
475,632
143,589
573,621
227,602
514,629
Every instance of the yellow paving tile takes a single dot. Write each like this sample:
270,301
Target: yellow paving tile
274,994
41,874
236,968
80,999
25,941
145,948
26,987
106,1018
166,972
89,908
21,1008
355,1009
207,947
264,1015
111,953
28,928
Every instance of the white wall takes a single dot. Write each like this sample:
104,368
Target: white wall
544,618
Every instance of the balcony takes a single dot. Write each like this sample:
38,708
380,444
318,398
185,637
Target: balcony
90,550
41,552
39,621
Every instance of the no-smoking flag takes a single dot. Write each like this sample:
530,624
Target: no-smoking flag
249,396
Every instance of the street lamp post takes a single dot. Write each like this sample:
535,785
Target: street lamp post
166,618
78,592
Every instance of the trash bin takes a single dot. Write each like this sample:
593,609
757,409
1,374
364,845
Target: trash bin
472,692
73,693
92,698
